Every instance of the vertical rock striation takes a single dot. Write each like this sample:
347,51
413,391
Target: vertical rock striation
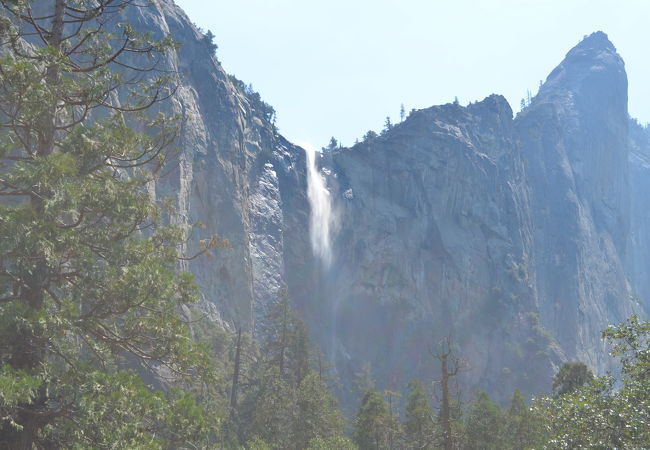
638,250
227,174
574,141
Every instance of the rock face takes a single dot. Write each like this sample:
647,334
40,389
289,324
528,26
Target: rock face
510,235
516,236
574,141
638,261
436,240
227,176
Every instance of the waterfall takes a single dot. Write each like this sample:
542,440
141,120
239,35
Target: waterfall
321,217
322,225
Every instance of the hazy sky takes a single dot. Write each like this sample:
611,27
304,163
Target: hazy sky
339,67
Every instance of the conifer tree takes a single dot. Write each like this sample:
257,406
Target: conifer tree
388,125
288,404
485,425
333,145
318,416
419,428
571,376
88,279
371,422
523,429
369,135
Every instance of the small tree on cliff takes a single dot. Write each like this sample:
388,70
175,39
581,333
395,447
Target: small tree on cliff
88,278
333,145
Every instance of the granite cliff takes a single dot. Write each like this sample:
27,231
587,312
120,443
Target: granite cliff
522,237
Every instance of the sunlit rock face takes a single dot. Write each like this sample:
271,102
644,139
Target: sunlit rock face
516,236
227,176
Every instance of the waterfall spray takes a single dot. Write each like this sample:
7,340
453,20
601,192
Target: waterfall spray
322,222
321,218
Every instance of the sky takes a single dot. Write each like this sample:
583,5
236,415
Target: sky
340,67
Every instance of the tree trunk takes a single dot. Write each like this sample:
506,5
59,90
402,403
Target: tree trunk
31,352
235,377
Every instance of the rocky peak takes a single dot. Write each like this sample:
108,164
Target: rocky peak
592,70
593,44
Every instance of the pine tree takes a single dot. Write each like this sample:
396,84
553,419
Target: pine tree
318,415
287,404
523,429
571,376
485,425
393,425
369,136
371,422
333,145
388,125
88,279
285,342
419,428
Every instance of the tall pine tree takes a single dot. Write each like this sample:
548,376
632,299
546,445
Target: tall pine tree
419,428
88,279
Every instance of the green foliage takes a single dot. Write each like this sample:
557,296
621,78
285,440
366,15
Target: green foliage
631,343
273,410
89,285
419,428
371,422
336,442
370,135
318,416
485,424
571,376
257,444
388,125
333,145
286,403
523,427
598,416
208,39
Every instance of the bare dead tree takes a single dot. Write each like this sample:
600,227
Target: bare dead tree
450,367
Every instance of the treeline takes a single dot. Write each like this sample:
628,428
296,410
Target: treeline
582,411
286,402
279,389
